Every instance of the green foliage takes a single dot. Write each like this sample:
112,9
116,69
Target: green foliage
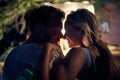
11,8
4,56
1,34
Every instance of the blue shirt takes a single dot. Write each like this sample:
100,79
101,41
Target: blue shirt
21,63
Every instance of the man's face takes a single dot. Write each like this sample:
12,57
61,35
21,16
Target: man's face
55,35
54,32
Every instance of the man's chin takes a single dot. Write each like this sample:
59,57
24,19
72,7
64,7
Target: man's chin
55,42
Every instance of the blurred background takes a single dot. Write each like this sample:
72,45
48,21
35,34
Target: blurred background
14,29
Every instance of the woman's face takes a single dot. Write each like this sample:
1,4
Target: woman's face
73,36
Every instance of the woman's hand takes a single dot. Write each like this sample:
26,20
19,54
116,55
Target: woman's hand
52,47
46,57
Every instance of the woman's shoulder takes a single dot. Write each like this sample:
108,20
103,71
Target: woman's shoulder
75,55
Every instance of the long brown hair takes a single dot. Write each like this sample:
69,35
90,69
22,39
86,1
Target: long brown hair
105,65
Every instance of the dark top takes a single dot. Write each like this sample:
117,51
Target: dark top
22,62
88,71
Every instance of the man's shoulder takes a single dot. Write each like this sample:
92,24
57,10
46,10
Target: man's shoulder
26,51
28,47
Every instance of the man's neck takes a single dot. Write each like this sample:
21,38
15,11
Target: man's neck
34,39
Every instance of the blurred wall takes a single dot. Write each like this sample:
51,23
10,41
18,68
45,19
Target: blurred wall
110,21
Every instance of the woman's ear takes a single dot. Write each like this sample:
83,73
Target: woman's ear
85,41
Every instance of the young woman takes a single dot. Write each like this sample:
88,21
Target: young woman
89,57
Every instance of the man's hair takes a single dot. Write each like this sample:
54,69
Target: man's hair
43,15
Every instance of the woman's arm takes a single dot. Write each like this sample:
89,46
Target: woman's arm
49,48
45,64
68,68
73,62
71,65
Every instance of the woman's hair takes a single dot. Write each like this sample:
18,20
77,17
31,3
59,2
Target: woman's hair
86,22
84,17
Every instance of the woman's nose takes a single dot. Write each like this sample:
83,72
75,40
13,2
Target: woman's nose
64,36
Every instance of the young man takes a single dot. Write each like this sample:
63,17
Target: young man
23,61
